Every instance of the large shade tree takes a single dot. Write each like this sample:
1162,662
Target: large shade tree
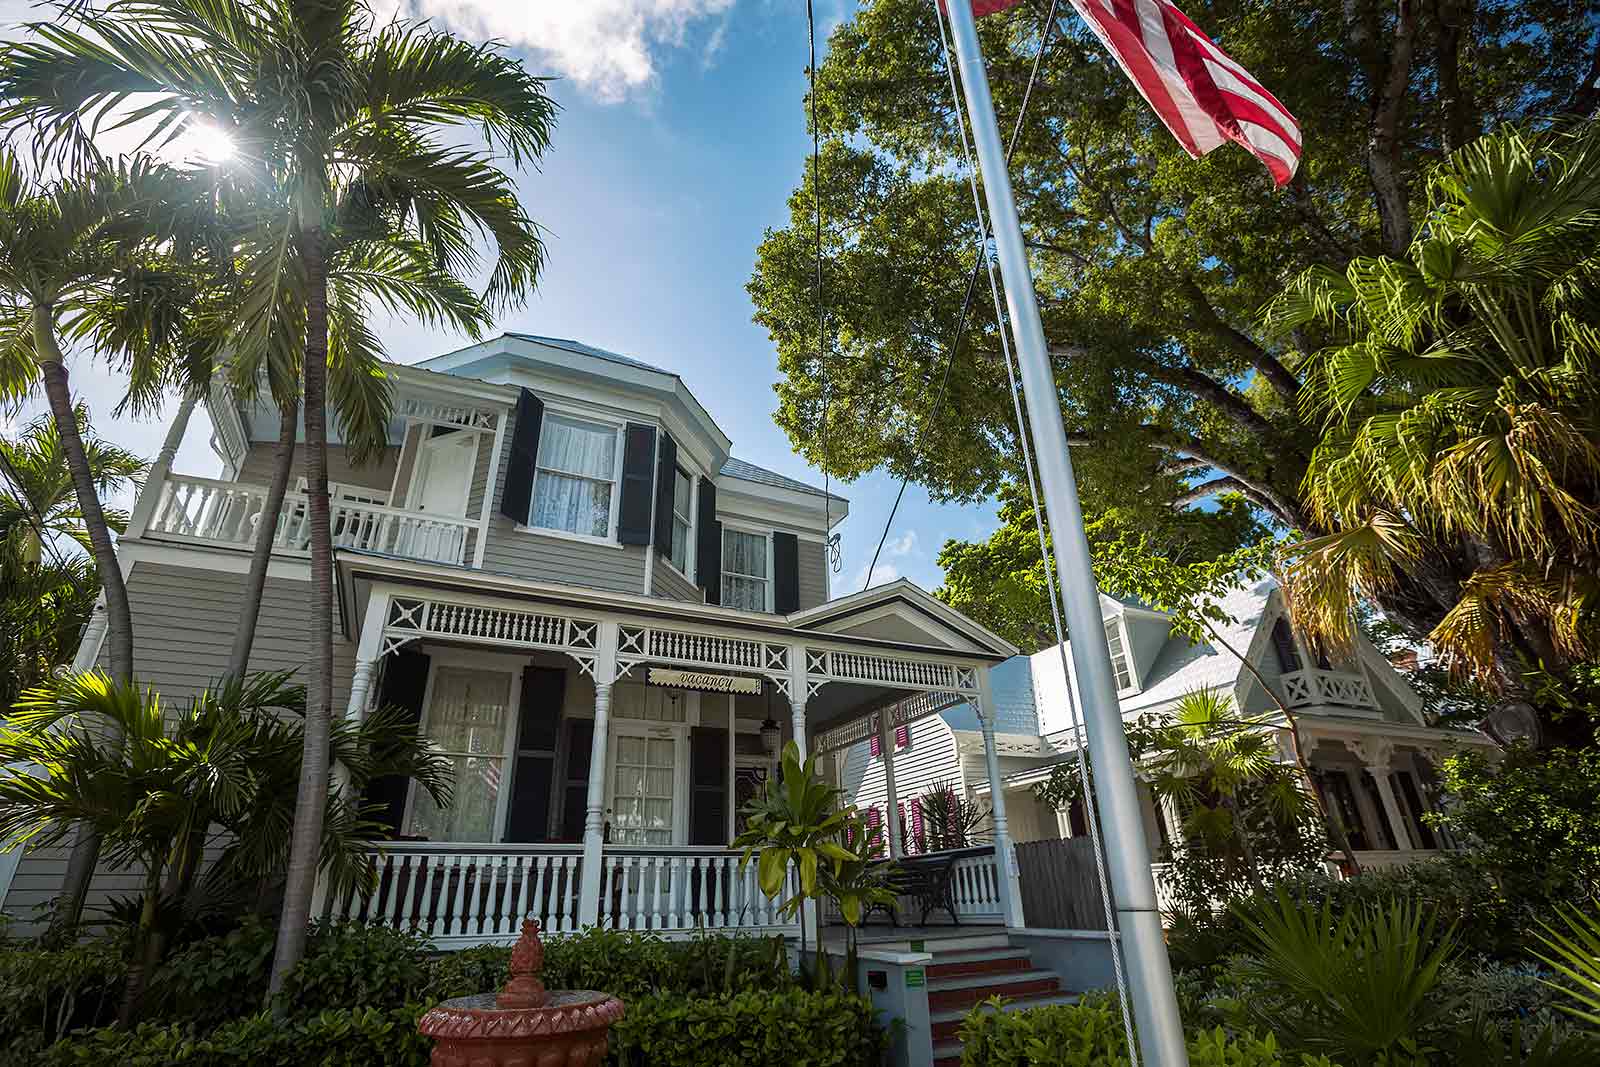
1151,266
337,112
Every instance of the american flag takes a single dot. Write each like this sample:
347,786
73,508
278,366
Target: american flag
1202,95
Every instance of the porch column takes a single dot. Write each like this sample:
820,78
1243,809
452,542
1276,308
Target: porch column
605,673
1378,755
1004,856
156,477
368,652
886,749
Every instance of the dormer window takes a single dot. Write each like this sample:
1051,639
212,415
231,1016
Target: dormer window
1120,666
746,570
575,488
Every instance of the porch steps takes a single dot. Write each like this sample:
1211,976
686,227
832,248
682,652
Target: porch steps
961,977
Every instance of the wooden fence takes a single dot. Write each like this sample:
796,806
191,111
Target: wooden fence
1060,889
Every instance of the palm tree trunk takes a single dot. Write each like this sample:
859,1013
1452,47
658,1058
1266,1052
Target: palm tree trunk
312,799
266,531
119,618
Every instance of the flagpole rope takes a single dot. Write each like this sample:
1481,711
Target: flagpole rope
1038,512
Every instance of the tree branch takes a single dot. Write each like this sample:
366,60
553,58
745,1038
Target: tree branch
1383,144
1265,496
1586,97
1457,112
1207,489
1207,319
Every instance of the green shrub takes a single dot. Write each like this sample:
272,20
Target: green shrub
351,965
1458,893
214,979
796,1028
45,993
633,965
1090,1034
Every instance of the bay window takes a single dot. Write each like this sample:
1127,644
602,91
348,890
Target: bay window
576,478
746,570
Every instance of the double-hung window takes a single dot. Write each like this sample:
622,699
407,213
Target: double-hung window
682,525
576,481
467,719
746,570
1119,655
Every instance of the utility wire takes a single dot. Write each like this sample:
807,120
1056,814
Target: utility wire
978,261
831,544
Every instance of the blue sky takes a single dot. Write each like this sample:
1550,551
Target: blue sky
681,137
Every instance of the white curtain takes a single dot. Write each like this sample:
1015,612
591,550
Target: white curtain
466,721
744,570
577,463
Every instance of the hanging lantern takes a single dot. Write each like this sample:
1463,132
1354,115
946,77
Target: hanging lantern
771,733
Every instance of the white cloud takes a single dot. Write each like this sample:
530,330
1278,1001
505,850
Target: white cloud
608,47
882,574
903,545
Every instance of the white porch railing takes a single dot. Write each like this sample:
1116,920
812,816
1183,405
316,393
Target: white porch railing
1305,687
226,513
974,884
457,895
671,889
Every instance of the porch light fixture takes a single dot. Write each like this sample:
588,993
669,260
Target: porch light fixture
771,734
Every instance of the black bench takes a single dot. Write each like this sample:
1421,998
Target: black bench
926,879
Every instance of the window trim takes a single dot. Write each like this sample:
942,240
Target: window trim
686,572
617,430
766,534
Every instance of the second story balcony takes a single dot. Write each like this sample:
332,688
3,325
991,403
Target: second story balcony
228,514
1306,688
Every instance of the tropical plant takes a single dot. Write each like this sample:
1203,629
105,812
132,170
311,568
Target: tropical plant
107,755
1356,985
345,123
796,821
949,821
1459,467
1574,951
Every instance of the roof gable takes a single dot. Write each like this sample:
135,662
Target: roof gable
902,612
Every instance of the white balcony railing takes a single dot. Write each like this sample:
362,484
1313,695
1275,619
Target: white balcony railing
1306,687
227,513
468,894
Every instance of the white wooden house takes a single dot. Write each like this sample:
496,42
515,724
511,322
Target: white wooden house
1371,752
606,620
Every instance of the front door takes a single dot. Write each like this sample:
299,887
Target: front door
445,463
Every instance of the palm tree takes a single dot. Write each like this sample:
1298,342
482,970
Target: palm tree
338,118
1459,468
1224,773
228,759
46,590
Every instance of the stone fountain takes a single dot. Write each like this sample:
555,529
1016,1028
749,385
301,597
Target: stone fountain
523,1025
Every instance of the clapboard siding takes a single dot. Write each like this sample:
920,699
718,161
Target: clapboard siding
260,459
668,583
508,550
930,759
183,625
813,573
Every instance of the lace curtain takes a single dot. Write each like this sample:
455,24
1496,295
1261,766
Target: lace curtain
577,462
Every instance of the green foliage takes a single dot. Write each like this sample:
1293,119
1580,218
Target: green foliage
348,963
214,979
44,993
1091,1034
1482,1043
1534,819
950,821
1574,951
795,1027
1460,895
1356,985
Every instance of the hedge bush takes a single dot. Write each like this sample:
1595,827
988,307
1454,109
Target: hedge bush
45,993
795,1028
1090,1034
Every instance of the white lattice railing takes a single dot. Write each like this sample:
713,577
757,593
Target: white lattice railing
976,885
227,513
1306,687
711,650
887,670
671,889
510,626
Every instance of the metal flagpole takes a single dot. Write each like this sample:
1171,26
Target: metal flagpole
1155,1003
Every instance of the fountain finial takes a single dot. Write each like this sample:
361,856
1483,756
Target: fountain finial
525,990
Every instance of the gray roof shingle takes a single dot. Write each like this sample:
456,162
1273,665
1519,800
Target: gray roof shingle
749,472
582,349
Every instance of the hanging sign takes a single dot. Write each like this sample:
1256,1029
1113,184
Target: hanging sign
705,681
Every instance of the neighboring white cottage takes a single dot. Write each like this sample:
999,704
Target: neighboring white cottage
1370,749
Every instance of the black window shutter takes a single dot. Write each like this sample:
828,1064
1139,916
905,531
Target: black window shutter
708,548
405,679
517,499
666,483
638,463
1283,644
528,813
785,573
708,782
575,802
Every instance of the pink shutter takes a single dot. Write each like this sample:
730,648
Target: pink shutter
874,829
900,817
877,749
902,737
916,824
